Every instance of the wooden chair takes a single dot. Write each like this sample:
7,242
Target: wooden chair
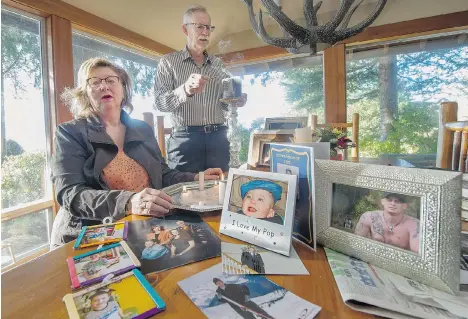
452,144
162,131
354,125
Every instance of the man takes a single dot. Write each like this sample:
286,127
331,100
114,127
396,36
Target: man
252,259
191,231
188,85
391,226
237,296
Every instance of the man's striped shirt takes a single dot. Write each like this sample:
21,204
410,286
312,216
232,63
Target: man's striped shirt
200,109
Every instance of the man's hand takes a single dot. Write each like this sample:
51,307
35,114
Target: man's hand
241,102
210,174
195,83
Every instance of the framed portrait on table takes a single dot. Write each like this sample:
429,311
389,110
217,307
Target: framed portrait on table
298,160
259,209
405,220
285,123
259,148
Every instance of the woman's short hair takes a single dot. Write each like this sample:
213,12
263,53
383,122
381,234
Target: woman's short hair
77,98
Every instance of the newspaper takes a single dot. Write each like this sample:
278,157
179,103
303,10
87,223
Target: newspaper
370,289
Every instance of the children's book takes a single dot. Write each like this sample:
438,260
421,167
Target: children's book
101,234
126,296
92,267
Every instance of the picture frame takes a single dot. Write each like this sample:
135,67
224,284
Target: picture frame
299,160
259,209
435,261
92,267
101,234
258,140
285,123
130,295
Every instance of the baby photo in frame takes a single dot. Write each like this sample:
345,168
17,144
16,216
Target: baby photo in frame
92,267
126,296
101,234
259,209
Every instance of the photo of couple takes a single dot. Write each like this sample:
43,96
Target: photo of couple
161,244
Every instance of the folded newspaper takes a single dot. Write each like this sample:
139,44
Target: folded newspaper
373,290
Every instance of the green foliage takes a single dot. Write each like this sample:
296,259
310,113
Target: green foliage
31,225
13,148
22,178
365,204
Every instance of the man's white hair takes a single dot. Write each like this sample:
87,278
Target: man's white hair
191,10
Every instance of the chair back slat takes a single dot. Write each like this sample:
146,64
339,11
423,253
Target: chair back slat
457,137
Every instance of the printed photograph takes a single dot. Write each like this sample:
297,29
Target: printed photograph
177,240
123,299
250,259
97,235
387,217
220,295
103,263
259,198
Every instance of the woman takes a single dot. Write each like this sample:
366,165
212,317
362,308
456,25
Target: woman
107,165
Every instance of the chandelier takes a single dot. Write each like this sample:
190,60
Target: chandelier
299,39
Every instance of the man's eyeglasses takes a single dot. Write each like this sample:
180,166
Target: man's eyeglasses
200,27
95,82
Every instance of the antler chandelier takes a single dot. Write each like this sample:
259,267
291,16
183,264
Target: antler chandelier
297,38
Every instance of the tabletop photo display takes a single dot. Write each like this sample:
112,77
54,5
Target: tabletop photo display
259,209
129,295
92,267
175,241
101,234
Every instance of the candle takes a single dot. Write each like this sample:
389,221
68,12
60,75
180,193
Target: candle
201,181
221,192
201,203
184,189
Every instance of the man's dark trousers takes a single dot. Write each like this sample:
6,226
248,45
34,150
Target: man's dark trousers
197,151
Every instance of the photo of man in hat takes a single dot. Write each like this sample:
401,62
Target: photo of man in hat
391,225
259,198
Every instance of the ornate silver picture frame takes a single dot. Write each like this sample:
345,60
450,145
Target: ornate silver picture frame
191,189
259,209
427,248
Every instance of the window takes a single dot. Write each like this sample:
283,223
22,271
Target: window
397,89
26,209
141,68
285,87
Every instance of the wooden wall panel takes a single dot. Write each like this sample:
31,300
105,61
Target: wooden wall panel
60,59
334,84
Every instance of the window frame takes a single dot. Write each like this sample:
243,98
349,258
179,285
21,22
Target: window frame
47,202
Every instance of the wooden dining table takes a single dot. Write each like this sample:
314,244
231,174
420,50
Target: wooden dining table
35,289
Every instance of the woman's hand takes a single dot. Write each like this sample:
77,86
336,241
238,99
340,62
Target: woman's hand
210,174
150,202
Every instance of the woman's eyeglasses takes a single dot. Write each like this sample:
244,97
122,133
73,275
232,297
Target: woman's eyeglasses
96,82
200,27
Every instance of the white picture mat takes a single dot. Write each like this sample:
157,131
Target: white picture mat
275,264
268,235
